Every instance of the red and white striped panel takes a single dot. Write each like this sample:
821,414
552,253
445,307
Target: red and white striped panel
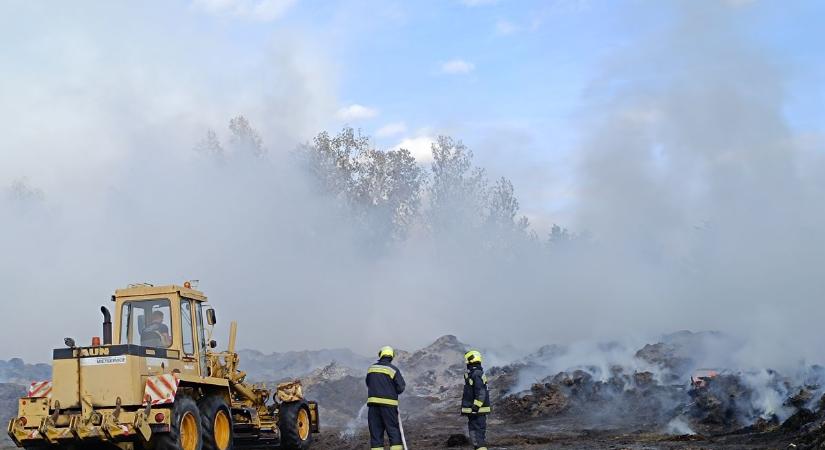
40,389
161,389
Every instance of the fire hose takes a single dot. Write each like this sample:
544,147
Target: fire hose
401,428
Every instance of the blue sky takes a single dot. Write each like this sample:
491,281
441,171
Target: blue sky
522,69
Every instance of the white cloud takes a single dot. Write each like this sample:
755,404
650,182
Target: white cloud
391,129
457,67
419,146
505,27
356,112
263,10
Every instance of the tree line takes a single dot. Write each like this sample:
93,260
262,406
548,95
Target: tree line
390,195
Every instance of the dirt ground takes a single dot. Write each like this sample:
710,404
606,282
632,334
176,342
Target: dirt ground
440,432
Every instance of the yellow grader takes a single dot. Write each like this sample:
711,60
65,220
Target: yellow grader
155,383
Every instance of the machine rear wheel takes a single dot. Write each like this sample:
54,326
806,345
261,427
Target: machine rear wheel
216,421
185,432
293,421
60,447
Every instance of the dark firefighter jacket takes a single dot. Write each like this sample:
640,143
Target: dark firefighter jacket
476,398
384,383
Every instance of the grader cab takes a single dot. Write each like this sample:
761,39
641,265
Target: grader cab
155,382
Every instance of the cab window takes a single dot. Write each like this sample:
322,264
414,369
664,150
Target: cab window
186,327
146,323
201,338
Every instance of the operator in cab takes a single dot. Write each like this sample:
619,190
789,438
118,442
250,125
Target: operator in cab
156,334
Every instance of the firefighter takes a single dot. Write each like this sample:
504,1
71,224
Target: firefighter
384,384
475,403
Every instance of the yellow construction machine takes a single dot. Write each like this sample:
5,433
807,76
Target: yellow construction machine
155,382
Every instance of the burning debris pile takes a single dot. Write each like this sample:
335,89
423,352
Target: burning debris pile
662,388
807,423
342,390
544,399
666,357
658,387
431,374
433,370
715,404
579,393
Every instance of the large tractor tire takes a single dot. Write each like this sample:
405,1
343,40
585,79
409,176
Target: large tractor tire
216,422
185,432
67,446
72,446
294,424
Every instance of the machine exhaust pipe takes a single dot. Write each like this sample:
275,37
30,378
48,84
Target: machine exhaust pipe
107,326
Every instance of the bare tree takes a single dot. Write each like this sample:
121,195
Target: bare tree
20,190
210,145
245,139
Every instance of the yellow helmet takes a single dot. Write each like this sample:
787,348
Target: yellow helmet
473,356
386,352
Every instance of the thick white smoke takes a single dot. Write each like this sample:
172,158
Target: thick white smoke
706,208
701,210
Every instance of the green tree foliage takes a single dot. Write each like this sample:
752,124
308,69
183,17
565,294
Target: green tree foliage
458,190
387,193
503,228
503,207
331,160
388,187
382,189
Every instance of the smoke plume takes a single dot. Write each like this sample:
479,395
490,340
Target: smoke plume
696,206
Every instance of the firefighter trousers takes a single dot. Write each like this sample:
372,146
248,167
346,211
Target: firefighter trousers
384,419
477,425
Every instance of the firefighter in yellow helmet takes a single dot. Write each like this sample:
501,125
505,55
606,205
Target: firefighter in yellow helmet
384,384
475,403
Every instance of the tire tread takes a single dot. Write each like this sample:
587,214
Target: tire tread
287,423
209,406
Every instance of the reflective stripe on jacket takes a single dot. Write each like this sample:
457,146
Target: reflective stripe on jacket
476,398
384,383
